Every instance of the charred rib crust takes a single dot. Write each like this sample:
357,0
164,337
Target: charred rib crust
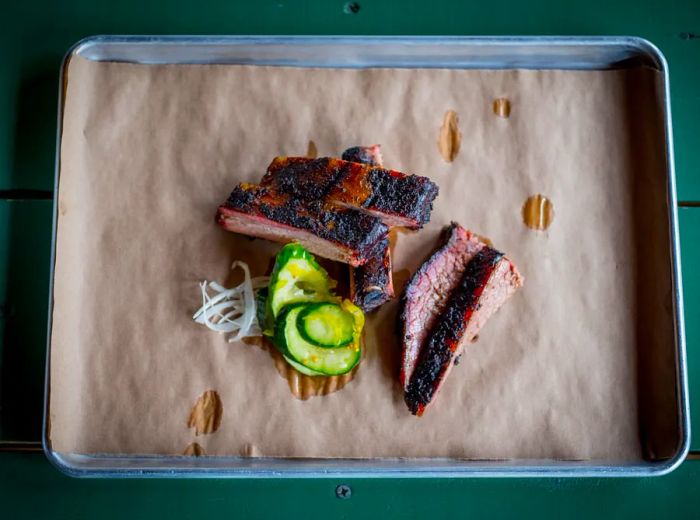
302,178
363,154
410,196
438,351
350,229
372,281
371,285
407,197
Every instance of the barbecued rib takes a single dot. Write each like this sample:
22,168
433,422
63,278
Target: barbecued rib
371,285
487,282
370,155
396,198
336,233
426,294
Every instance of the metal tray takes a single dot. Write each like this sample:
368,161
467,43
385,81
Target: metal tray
573,53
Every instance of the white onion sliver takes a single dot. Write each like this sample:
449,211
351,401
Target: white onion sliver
231,311
217,287
249,300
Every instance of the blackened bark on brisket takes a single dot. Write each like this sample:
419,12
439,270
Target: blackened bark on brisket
438,352
427,292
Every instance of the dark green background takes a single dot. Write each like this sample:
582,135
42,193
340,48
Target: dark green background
33,37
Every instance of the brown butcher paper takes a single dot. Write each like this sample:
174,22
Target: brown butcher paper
148,152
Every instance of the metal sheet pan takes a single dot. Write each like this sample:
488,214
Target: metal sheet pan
569,53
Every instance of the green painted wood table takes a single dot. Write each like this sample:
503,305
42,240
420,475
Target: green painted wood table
33,37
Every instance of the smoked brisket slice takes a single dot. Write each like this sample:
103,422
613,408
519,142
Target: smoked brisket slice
336,233
396,198
426,294
482,287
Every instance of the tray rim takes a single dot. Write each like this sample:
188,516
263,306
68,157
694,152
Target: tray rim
355,468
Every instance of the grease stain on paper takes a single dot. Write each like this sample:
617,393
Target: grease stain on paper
301,385
538,212
311,150
450,137
400,279
394,233
250,450
304,386
194,450
501,107
483,238
206,414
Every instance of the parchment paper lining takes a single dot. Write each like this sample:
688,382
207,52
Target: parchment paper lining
148,152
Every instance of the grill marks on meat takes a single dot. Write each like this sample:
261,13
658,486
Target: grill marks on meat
336,233
483,286
426,294
396,198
